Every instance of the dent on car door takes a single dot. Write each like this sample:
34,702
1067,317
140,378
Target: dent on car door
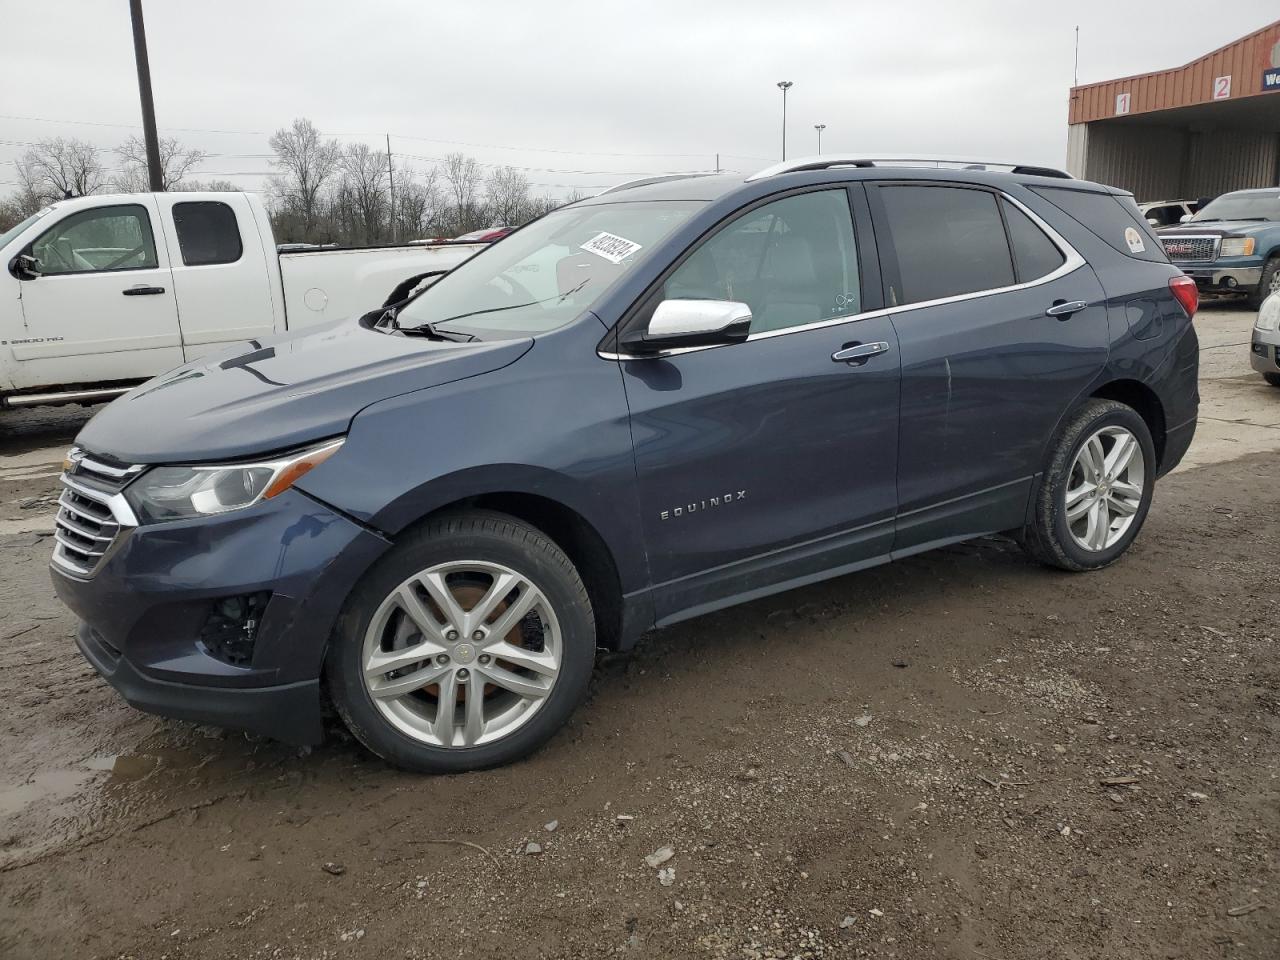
103,307
1002,326
768,462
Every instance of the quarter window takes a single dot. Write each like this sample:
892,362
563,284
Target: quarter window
1034,254
207,233
793,261
97,240
949,241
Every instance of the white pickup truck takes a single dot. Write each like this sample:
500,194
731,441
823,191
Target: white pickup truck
101,292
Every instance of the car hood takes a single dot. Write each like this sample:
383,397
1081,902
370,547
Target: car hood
279,392
1217,228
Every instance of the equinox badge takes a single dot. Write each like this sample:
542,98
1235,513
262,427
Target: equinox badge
702,505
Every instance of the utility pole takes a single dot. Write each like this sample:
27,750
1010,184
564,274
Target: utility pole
784,86
154,171
819,127
391,191
1075,77
717,163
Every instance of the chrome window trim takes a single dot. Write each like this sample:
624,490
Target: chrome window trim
1072,261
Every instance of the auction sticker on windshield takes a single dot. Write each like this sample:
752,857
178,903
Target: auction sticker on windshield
612,248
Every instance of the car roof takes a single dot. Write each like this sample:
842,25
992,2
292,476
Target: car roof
710,187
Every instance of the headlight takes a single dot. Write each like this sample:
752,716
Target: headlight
1269,315
172,493
1237,246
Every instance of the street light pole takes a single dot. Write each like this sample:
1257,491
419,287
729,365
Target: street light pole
819,127
154,171
784,86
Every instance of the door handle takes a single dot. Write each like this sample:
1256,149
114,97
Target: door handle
859,353
142,290
1062,309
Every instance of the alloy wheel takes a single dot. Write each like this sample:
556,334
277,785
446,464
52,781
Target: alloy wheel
1105,489
462,654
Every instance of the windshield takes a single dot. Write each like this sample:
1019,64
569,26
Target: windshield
547,274
14,231
1242,206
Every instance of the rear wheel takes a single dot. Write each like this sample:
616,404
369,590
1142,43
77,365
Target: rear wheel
1097,489
467,646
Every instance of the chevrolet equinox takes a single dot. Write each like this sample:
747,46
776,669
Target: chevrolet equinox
682,394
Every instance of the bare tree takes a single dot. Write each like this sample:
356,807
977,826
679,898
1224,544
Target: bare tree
306,162
507,193
176,162
461,176
363,190
418,205
54,169
218,186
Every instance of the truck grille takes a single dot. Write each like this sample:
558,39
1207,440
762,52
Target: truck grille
1192,249
92,513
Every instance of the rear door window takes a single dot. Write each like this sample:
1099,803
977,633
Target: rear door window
1034,254
948,240
207,232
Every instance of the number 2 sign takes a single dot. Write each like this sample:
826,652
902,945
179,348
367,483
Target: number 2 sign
1222,88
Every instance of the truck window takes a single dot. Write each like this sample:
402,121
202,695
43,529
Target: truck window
207,233
96,241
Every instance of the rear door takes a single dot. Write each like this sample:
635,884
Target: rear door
769,462
221,271
1001,326
104,307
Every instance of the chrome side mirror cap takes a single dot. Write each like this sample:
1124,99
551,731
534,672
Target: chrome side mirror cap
690,323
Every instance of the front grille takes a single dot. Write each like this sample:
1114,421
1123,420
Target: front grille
1192,249
92,512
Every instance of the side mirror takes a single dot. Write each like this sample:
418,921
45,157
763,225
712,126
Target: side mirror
1185,218
690,323
25,267
1153,221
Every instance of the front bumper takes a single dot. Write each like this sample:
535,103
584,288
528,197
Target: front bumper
1223,279
144,610
1264,351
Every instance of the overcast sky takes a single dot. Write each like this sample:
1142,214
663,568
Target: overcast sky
614,89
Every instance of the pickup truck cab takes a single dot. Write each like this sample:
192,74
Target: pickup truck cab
102,292
1232,245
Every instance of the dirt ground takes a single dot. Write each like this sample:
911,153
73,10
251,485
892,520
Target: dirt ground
962,755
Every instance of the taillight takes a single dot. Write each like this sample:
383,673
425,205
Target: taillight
1184,289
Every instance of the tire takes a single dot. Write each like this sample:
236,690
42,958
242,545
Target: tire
1051,537
463,553
1268,283
1272,378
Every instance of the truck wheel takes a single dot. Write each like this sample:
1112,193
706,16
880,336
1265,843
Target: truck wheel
1096,491
467,646
1268,284
1272,378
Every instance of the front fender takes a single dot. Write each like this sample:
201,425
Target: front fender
554,425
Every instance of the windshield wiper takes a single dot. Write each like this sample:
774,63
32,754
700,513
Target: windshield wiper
433,325
429,331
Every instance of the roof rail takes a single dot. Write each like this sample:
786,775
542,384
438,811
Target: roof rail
826,162
645,181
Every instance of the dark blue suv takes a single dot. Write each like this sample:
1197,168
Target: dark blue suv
679,395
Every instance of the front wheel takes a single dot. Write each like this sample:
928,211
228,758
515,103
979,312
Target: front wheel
1268,284
1096,491
1272,378
467,646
